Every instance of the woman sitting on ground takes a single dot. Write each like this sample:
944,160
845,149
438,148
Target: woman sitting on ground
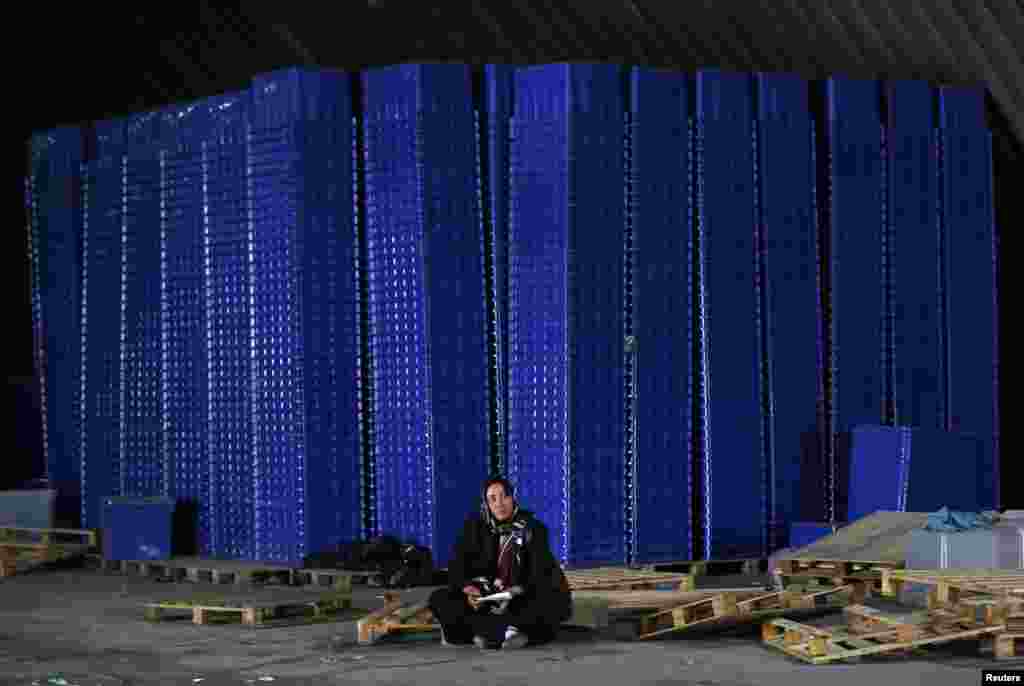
502,549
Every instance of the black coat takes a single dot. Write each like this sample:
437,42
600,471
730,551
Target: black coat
540,575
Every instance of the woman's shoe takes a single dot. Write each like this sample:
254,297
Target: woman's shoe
514,638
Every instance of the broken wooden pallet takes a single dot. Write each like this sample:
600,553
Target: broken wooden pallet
726,607
248,612
746,566
395,619
600,609
875,634
625,579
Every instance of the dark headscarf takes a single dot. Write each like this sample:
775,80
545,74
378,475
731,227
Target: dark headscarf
506,527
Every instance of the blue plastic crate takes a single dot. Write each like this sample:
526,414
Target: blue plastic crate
137,528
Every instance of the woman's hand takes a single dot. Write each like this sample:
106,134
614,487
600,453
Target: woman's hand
472,595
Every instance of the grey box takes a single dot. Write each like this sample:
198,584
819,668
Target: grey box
1001,547
28,509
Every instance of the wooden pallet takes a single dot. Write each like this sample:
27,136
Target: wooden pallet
16,558
947,586
821,646
248,612
833,569
396,620
47,537
625,579
991,610
208,571
723,607
747,567
1009,645
865,576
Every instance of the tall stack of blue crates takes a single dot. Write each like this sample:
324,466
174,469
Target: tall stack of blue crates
794,400
660,257
680,311
734,508
969,271
566,332
428,318
54,202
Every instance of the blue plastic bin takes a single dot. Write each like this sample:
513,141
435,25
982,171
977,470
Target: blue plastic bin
137,528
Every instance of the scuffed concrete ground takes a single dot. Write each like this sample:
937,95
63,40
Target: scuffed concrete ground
86,628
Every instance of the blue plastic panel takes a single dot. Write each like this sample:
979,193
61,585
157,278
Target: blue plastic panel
734,470
55,206
879,460
855,171
793,306
913,256
427,306
967,220
660,218
566,392
944,473
906,469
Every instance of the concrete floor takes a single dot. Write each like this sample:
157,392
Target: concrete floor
86,628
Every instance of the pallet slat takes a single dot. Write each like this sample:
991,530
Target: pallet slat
614,578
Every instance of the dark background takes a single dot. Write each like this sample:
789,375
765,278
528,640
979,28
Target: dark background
92,64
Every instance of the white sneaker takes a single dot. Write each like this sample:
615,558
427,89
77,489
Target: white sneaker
514,638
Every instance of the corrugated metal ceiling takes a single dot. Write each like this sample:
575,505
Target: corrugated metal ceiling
175,53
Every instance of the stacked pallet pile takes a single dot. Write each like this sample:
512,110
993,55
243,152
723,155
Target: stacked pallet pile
857,554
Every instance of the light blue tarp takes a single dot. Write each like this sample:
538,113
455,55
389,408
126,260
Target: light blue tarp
951,520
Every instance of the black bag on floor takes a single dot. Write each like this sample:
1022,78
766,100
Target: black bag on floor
417,568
